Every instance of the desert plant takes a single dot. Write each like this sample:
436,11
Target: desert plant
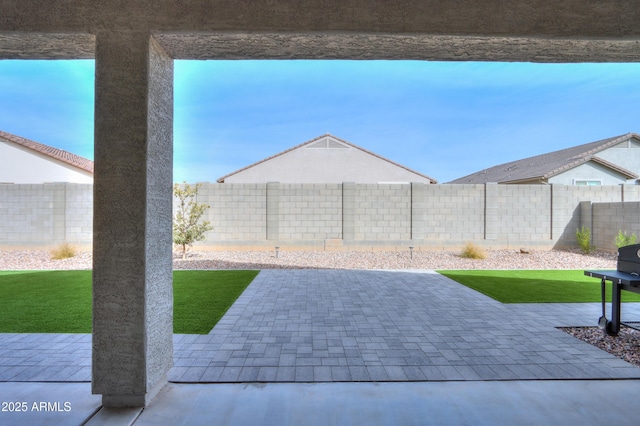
63,251
473,251
622,239
583,235
187,227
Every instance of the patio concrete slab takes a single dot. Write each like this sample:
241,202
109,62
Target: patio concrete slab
439,403
45,357
431,350
444,403
342,326
47,403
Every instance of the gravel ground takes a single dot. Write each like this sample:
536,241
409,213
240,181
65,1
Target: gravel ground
626,345
496,259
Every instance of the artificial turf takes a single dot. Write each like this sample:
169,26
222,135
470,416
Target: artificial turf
201,298
60,301
535,286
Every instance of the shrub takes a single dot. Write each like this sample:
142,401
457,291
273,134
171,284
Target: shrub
63,251
583,235
472,251
187,225
622,239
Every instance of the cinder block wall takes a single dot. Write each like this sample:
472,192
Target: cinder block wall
309,212
78,211
349,216
237,211
630,193
449,214
518,214
568,215
382,212
609,218
399,215
45,214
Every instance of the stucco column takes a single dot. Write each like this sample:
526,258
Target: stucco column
132,268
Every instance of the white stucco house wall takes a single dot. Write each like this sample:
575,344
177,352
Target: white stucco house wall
611,161
25,161
326,159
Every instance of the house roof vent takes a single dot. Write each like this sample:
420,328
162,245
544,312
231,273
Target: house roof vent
327,143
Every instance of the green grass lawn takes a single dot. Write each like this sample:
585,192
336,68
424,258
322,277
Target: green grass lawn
60,301
532,286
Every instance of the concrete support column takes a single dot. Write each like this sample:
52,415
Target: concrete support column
132,267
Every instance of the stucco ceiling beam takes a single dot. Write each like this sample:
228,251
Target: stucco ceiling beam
309,45
519,18
23,45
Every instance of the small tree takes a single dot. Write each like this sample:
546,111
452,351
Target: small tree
187,227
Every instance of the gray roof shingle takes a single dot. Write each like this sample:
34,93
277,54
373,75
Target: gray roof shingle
542,167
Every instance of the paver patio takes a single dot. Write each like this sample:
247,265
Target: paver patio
348,325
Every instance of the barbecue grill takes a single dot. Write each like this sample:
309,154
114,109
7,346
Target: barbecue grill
625,277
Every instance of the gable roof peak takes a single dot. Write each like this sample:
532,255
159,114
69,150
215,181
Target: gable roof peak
346,144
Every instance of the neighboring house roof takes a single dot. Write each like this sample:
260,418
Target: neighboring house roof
49,151
311,142
542,167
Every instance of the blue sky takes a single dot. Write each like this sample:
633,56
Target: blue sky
443,119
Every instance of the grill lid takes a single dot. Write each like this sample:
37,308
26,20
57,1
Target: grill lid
629,259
